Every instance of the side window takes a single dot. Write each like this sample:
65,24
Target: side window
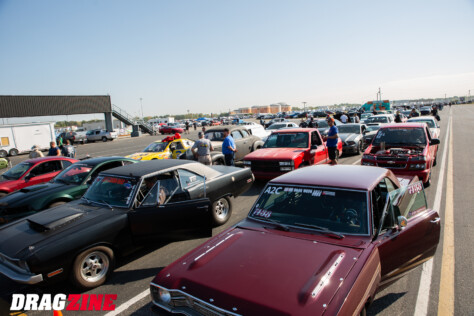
160,190
236,135
106,166
189,179
379,199
410,200
427,130
179,145
244,133
126,162
66,163
46,167
315,140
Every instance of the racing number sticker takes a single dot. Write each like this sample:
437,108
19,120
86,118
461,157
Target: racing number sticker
262,213
415,188
273,190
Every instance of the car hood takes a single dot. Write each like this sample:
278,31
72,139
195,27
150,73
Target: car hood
348,136
7,183
263,272
21,196
275,154
41,230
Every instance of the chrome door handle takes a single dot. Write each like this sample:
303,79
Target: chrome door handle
436,220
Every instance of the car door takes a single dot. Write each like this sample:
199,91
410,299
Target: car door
179,149
167,211
401,248
240,144
248,141
320,154
43,172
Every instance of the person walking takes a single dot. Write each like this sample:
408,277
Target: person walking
312,123
331,142
195,125
344,118
228,148
202,149
53,150
187,126
35,152
69,150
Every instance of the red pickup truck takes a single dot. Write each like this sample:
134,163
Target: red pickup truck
405,148
288,149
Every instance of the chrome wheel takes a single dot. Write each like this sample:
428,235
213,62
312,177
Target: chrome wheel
94,266
221,211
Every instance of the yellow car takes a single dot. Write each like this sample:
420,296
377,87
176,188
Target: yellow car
168,148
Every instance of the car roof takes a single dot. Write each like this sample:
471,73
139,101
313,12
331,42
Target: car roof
49,158
150,167
404,125
99,160
341,176
296,130
421,118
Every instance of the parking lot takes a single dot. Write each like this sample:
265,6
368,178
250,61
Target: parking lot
415,294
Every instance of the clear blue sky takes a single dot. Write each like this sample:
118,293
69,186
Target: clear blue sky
211,56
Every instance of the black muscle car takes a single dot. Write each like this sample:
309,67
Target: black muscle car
67,186
122,209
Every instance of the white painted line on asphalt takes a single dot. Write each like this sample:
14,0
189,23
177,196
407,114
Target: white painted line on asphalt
128,303
357,162
423,297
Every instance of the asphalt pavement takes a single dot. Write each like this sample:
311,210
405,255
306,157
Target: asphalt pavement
131,278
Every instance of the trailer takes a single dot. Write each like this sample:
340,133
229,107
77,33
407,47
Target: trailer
20,138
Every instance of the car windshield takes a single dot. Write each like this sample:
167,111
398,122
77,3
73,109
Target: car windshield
74,174
430,123
372,128
215,135
16,172
287,140
336,210
155,147
377,119
404,136
349,129
276,126
366,115
111,190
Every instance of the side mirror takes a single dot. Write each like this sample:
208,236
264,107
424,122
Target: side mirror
29,176
314,146
402,222
434,141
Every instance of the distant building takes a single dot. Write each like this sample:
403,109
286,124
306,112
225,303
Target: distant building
257,109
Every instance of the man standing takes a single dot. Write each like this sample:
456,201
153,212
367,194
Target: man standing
356,118
204,148
35,152
187,126
398,117
53,150
228,148
344,118
69,150
195,125
332,139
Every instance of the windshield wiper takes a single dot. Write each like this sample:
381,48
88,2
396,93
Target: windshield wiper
110,206
324,229
278,224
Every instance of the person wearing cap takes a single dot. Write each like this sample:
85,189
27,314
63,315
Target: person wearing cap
331,142
202,149
35,152
228,148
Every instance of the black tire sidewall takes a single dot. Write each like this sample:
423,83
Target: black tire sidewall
76,278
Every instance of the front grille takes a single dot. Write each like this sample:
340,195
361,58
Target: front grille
392,165
389,158
266,166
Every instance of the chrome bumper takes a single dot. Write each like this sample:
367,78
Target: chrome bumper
16,274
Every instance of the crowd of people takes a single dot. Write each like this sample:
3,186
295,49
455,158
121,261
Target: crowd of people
64,149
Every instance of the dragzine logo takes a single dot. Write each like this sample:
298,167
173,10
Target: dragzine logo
59,302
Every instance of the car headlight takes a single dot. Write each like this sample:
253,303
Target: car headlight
418,158
418,166
164,296
368,157
350,143
247,163
286,163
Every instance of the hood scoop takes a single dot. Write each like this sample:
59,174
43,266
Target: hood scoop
54,219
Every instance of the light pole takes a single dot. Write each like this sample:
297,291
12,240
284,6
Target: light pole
188,114
141,105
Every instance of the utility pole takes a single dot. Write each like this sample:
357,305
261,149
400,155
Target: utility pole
304,106
141,105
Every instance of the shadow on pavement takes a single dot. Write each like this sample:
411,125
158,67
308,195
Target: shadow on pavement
380,304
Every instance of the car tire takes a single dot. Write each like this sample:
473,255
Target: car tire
104,139
92,266
359,148
221,211
2,194
218,162
435,162
13,152
3,153
54,204
428,182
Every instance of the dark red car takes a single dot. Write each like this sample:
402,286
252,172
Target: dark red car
319,240
165,129
288,149
31,172
405,148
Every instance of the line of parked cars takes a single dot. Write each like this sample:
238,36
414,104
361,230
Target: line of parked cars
350,230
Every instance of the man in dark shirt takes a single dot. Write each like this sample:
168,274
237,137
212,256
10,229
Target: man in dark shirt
53,150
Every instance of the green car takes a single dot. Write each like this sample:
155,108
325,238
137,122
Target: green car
67,186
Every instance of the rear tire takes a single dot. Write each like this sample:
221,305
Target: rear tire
221,211
91,267
13,152
104,139
3,153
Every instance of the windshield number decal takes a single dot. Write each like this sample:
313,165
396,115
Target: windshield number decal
415,188
273,190
262,213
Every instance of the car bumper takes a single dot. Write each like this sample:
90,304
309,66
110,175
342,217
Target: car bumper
349,149
20,277
267,175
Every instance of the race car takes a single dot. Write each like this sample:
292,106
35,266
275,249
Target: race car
168,148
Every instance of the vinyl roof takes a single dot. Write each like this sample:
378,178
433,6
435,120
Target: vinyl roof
339,176
99,160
